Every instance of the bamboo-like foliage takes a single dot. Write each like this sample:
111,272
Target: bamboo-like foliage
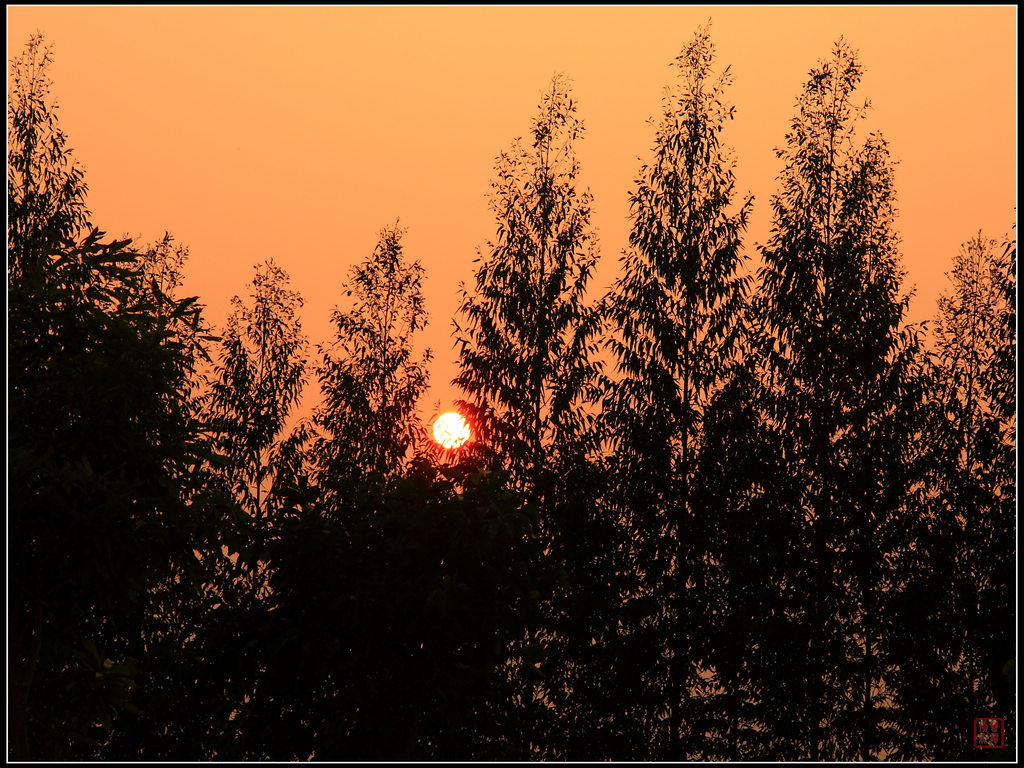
370,379
526,333
677,311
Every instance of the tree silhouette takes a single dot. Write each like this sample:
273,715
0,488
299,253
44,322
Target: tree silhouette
370,381
841,394
108,502
258,381
676,309
960,592
45,187
526,336
526,333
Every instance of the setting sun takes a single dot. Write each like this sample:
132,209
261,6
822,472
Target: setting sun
451,430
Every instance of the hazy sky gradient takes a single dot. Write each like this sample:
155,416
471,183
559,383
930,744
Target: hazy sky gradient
298,133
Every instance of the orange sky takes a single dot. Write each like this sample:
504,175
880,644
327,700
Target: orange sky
298,133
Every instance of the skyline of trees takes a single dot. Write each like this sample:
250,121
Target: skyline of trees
712,514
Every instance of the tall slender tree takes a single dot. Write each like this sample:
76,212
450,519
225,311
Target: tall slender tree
526,332
527,338
257,382
370,379
839,393
677,311
960,587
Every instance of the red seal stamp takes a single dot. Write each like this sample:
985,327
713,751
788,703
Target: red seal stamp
988,732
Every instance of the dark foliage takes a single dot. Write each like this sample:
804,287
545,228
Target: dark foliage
393,633
960,588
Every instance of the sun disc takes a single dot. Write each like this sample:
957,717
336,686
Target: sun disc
451,430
